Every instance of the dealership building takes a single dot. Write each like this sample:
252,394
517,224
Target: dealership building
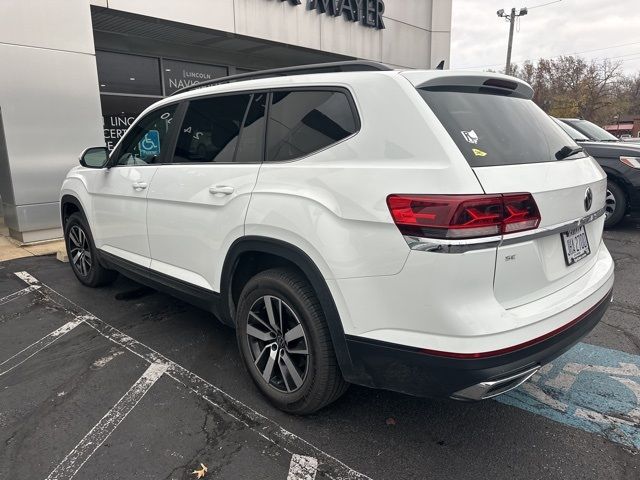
75,73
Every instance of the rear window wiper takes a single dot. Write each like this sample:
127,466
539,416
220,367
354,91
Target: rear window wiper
567,151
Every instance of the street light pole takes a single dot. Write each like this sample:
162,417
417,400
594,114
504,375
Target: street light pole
511,18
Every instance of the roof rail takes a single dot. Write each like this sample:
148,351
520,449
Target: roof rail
348,66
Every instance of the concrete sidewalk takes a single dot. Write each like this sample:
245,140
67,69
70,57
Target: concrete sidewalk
11,248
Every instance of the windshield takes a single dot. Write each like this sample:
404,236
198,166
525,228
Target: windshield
572,132
591,130
493,128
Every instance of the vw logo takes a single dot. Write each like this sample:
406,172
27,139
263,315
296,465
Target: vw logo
588,199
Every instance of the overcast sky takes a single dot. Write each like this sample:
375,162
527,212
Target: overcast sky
479,37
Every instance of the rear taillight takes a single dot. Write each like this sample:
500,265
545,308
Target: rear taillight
633,162
463,216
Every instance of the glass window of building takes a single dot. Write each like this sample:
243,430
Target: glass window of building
177,75
131,74
118,113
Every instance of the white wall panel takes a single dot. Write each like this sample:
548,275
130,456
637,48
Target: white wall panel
55,24
48,119
406,45
350,38
413,12
441,49
441,16
278,21
216,14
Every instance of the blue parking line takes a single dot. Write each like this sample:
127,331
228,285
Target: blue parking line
592,388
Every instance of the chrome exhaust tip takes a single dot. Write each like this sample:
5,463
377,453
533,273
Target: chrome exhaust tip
493,388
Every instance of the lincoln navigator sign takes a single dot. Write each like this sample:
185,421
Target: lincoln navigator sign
367,12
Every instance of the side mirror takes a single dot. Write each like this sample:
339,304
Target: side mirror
94,157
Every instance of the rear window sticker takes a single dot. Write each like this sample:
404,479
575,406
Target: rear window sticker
471,136
479,153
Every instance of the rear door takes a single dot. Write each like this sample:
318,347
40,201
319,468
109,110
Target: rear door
198,201
512,147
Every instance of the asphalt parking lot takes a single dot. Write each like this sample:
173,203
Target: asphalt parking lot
124,382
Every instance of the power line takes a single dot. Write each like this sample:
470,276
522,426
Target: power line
562,54
544,4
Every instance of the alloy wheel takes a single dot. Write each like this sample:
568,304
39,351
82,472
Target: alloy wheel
278,344
609,204
79,250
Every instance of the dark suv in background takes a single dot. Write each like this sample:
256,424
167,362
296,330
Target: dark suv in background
620,160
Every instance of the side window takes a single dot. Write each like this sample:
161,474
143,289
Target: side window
144,143
211,129
302,122
251,144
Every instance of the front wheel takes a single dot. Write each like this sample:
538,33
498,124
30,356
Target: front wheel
82,254
285,343
615,205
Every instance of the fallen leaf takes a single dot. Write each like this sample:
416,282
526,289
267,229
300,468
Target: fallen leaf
200,473
391,421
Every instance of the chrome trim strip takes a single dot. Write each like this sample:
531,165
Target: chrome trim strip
552,230
461,246
451,246
482,390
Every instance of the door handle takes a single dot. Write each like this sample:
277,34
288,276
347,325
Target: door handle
221,190
139,185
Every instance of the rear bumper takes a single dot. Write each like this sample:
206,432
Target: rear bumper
419,372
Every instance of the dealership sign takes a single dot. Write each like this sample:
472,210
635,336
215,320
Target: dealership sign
367,12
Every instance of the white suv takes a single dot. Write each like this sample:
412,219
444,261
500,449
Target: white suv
428,232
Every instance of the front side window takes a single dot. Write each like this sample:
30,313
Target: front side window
211,129
303,122
145,141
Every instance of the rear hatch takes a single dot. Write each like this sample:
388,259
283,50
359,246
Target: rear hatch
513,147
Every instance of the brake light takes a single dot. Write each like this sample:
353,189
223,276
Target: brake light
633,162
463,216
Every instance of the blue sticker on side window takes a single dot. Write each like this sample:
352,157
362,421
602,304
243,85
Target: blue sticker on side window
150,144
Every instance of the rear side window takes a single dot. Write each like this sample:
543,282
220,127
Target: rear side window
211,129
303,122
492,128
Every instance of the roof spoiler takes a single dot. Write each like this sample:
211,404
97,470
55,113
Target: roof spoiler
499,83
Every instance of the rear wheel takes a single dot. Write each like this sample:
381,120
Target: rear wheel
615,205
285,343
82,254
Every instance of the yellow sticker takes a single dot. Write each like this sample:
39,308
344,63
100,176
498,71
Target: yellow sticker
479,153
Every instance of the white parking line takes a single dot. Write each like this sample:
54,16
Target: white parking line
77,457
266,428
28,352
302,468
18,294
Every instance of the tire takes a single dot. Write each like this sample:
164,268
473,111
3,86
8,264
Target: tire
80,246
616,205
297,383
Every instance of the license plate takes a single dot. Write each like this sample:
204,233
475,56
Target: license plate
575,245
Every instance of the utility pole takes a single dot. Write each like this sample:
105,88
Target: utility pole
512,21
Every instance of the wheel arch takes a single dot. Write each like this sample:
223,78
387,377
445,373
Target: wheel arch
270,252
69,205
619,179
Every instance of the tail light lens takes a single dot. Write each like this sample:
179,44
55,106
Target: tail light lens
463,216
633,162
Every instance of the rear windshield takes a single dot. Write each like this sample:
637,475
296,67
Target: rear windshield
494,128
